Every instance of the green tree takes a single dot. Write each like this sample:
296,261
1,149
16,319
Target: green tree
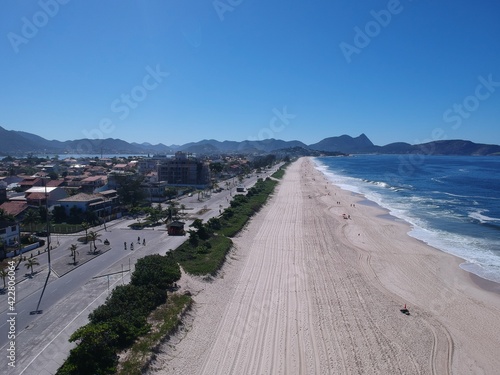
154,215
172,212
216,168
5,217
214,223
171,192
93,237
74,252
59,214
156,270
203,232
127,309
95,352
30,263
129,189
85,226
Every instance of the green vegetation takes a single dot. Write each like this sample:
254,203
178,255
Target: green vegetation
243,207
280,172
208,245
116,325
164,320
204,258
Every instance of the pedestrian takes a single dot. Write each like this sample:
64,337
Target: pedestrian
144,242
125,244
132,246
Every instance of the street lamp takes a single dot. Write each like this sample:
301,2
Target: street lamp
37,310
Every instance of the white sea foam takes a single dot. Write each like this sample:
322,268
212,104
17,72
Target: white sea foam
476,252
481,217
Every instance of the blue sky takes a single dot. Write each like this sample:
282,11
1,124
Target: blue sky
186,70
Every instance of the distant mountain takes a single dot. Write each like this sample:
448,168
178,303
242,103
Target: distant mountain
345,144
456,147
301,151
19,143
160,148
266,145
10,141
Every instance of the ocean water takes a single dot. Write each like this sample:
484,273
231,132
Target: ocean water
451,202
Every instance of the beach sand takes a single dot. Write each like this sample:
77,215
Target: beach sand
306,291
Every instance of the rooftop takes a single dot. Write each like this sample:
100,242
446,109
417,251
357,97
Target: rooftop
81,197
14,208
41,189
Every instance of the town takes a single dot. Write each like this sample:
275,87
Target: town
40,195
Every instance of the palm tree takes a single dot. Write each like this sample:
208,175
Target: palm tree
3,275
4,216
74,253
31,217
93,237
30,263
85,227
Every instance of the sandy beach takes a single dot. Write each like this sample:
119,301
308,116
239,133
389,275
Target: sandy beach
315,285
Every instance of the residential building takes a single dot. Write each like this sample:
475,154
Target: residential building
36,196
183,171
29,182
91,184
102,204
9,233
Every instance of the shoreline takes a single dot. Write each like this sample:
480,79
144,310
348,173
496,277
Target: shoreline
479,280
307,291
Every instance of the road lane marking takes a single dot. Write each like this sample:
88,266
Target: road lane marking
61,331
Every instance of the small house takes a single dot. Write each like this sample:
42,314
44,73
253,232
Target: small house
176,228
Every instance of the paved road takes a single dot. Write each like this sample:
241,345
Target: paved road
41,342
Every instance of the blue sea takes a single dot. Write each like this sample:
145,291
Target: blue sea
452,202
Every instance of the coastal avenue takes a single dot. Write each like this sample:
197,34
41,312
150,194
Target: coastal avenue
41,340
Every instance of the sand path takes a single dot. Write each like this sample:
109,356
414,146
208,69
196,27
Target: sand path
308,292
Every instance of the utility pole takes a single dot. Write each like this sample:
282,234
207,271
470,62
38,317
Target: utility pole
37,310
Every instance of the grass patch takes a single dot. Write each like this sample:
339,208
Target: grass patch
280,172
164,321
205,258
245,206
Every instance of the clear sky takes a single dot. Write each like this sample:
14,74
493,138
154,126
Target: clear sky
176,71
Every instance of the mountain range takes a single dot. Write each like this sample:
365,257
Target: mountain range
14,142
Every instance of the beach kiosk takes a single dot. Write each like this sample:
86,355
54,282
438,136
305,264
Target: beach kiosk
176,228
